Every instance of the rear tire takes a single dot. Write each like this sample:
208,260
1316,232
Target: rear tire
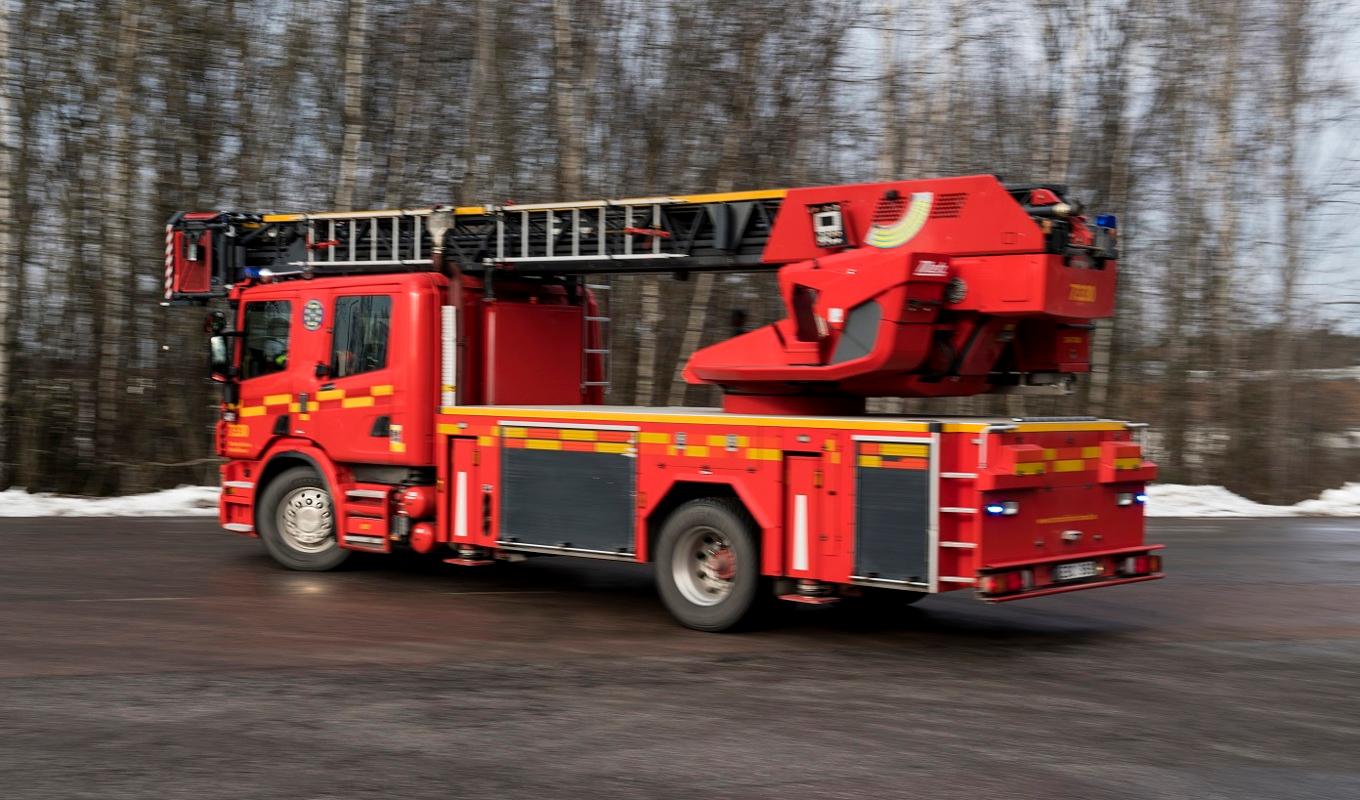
296,520
708,566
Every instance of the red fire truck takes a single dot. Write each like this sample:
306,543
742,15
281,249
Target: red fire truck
432,380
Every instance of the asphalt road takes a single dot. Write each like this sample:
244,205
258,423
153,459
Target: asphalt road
165,659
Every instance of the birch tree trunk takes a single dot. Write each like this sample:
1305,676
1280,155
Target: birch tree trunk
474,114
9,264
409,71
356,41
1280,426
1222,336
1061,163
571,133
889,94
1115,184
116,255
744,86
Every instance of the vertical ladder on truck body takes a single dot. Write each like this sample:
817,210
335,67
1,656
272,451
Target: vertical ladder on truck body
596,352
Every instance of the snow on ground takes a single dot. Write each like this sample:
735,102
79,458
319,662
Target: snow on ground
1164,500
182,502
1175,500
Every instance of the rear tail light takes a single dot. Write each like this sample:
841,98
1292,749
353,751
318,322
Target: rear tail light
1006,582
1140,565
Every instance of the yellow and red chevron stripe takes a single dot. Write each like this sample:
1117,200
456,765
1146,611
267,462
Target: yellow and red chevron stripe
326,398
894,455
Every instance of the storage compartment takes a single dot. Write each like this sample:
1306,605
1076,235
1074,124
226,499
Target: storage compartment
893,512
563,490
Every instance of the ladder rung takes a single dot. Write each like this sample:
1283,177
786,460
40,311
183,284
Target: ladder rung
598,287
597,319
595,383
595,352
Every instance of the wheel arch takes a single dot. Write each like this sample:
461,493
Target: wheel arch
677,495
686,488
297,454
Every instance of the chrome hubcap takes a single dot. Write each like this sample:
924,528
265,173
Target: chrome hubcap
306,521
704,566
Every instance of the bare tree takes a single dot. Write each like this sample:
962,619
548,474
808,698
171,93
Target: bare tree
10,265
356,49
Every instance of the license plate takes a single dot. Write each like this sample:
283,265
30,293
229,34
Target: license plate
1075,571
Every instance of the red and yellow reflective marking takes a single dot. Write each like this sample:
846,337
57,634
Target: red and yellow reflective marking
630,416
348,398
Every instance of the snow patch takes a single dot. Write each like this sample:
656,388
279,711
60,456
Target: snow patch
1176,500
185,501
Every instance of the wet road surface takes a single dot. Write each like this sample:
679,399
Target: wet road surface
145,658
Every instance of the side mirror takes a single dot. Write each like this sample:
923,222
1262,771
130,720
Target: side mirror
215,322
219,357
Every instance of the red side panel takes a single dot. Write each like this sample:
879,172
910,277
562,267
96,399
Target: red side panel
533,353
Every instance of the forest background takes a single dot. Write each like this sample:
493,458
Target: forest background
1224,134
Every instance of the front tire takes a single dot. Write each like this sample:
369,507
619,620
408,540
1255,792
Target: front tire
296,520
708,565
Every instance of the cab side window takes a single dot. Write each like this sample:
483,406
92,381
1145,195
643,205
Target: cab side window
361,331
266,338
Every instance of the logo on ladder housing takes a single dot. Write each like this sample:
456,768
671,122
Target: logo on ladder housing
898,220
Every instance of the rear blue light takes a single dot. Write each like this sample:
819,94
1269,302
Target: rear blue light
995,509
1106,221
1141,497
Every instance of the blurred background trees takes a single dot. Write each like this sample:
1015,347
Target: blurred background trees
1222,132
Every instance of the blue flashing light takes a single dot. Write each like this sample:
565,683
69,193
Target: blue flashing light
995,509
1141,497
1106,221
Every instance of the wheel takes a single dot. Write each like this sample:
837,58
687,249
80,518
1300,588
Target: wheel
708,565
296,520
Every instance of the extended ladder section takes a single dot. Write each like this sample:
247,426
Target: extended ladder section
207,252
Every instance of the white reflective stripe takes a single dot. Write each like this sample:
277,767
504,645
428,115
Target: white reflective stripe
448,361
461,510
371,541
800,532
583,426
962,475
956,579
955,510
372,494
239,527
239,484
968,545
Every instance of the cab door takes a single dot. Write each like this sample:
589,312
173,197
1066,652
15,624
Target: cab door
351,402
366,383
267,371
